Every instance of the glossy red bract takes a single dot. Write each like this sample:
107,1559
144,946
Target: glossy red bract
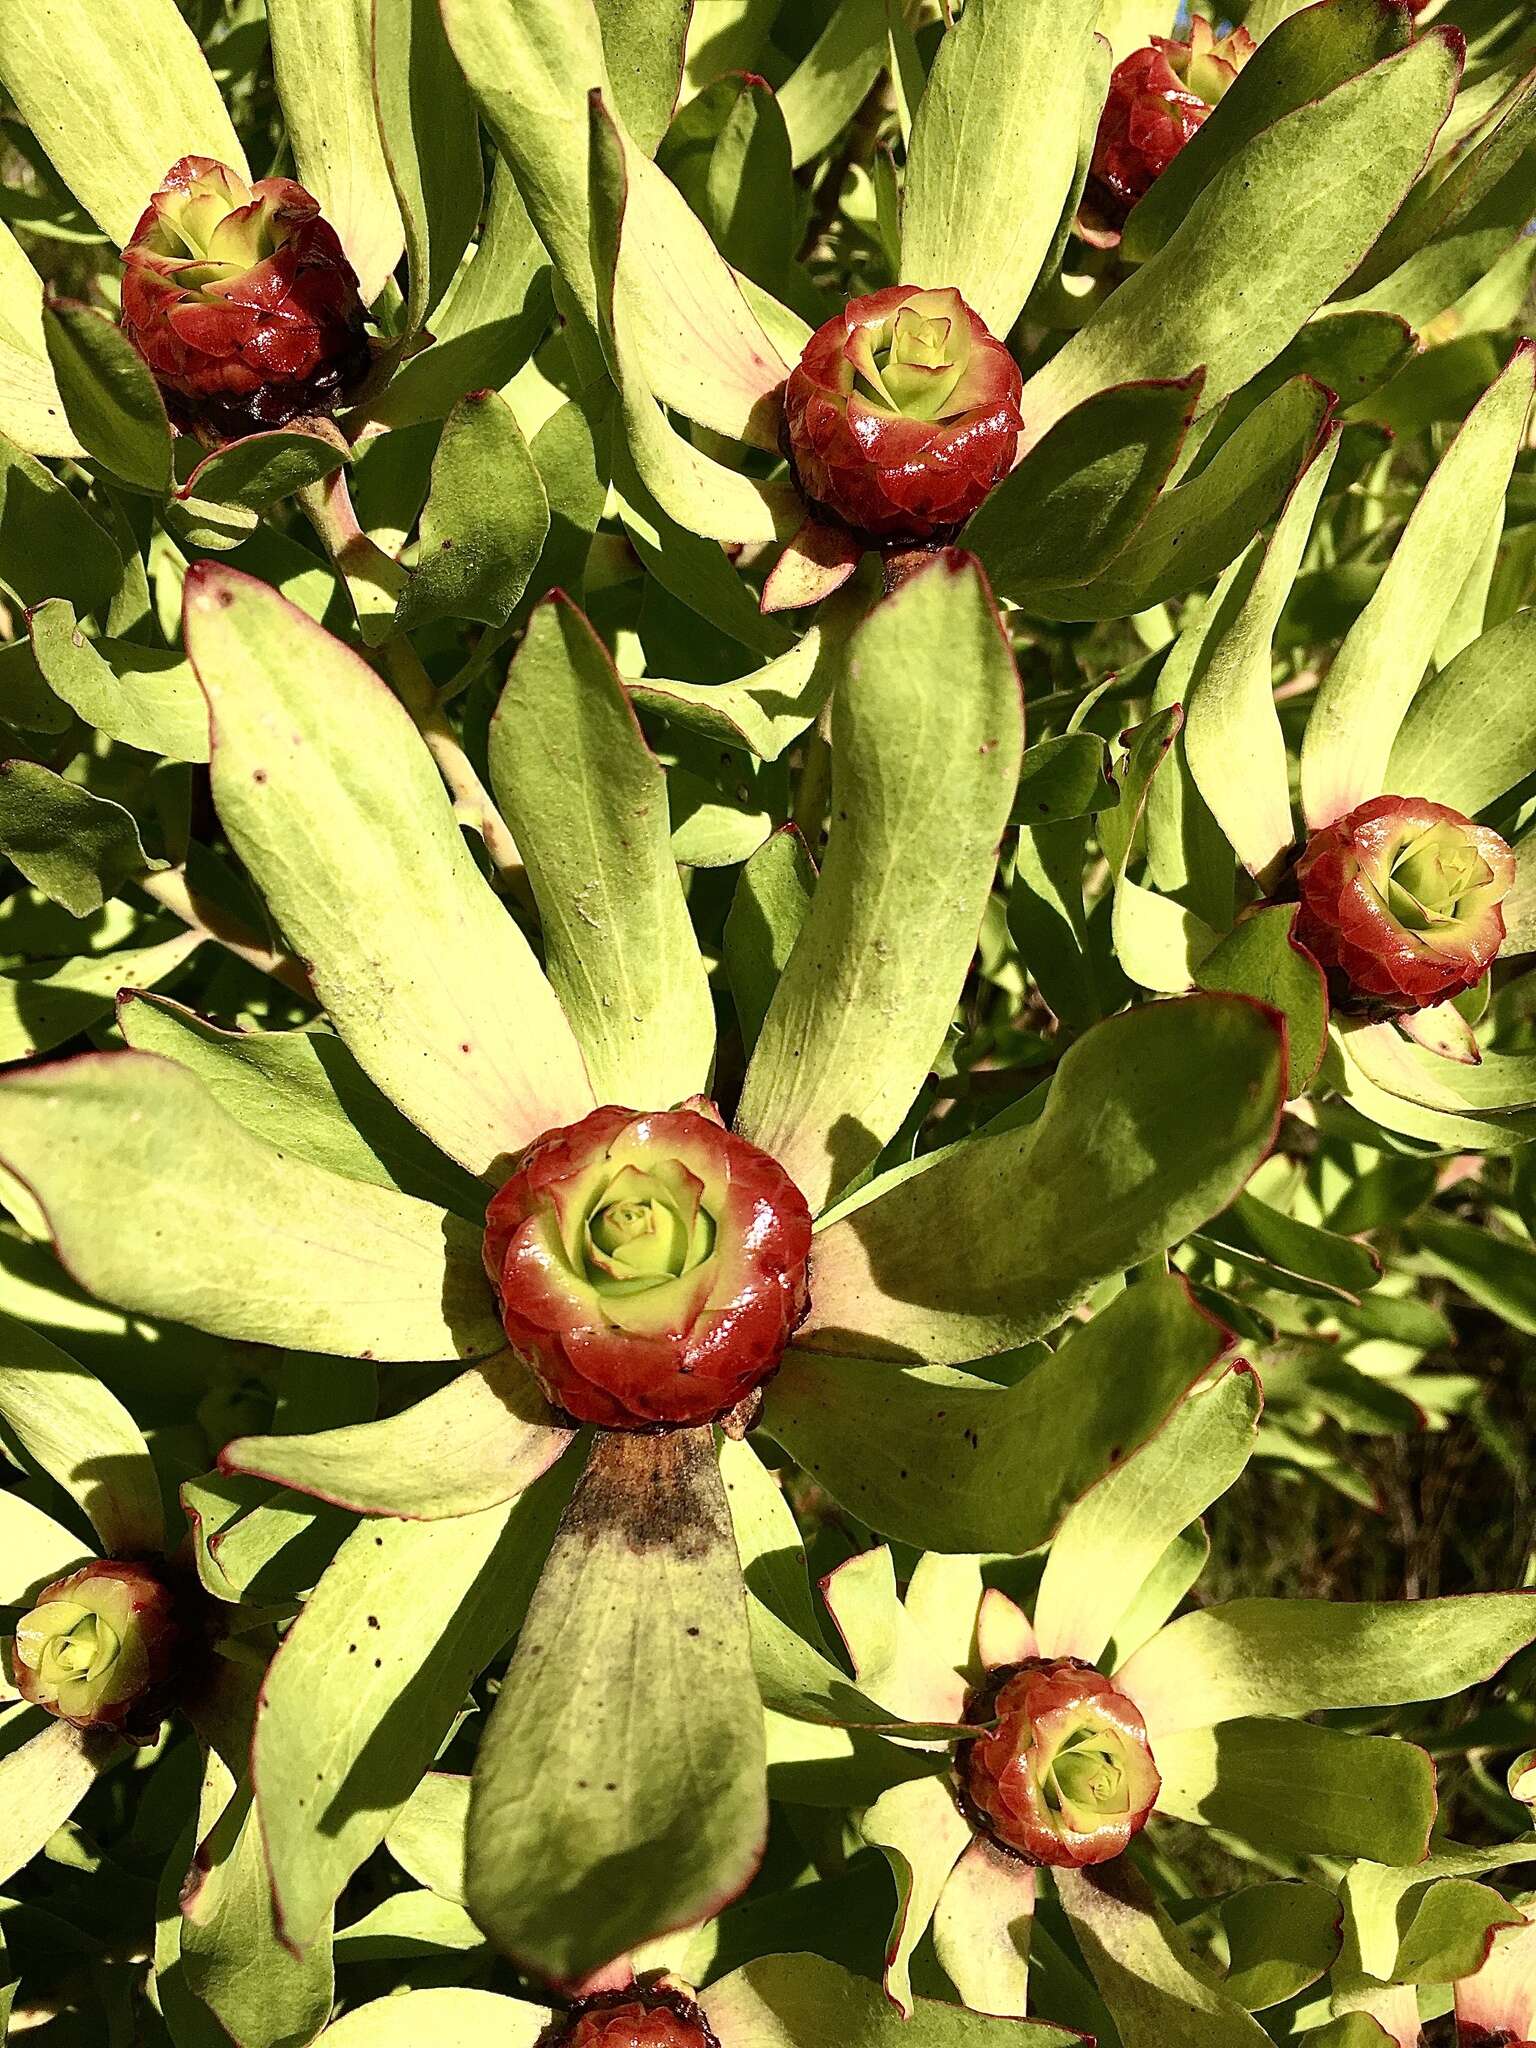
647,2020
241,300
902,414
1159,97
650,1267
1385,950
1066,1776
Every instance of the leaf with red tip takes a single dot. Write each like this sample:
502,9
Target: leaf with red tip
318,772
818,560
1154,1121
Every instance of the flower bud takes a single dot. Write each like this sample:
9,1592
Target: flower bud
1400,904
1157,99
98,1646
1066,1775
650,1268
902,414
638,2019
241,300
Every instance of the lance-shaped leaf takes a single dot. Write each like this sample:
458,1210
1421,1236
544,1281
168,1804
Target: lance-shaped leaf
1259,957
927,732
1232,736
479,1441
40,1011
77,848
1146,1972
365,1687
322,58
50,546
922,1834
484,523
1380,1912
431,139
1378,670
1154,1121
145,696
1069,508
303,1092
532,68
1291,1787
587,803
982,1928
1454,229
110,397
803,2001
46,1769
1307,1656
1195,529
117,91
37,1550
772,899
262,1991
1317,50
703,495
1227,290
32,410
1352,1068
160,1202
796,1680
994,151
1280,1938
959,1465
1116,1534
764,712
468,2019
1500,1082
827,87
319,772
1470,733
79,1433
625,1756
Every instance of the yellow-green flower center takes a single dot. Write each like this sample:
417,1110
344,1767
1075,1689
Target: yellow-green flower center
1432,875
642,1231
912,361
71,1648
1088,1773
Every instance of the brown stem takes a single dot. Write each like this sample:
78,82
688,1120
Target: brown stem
171,890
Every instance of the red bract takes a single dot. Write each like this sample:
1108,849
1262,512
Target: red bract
1400,903
98,1647
902,413
653,2019
1066,1776
241,300
1157,99
651,1268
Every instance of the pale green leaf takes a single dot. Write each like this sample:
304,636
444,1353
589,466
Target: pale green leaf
77,1431
1154,1985
116,91
431,139
303,1092
200,1221
1232,737
1154,1121
45,1771
451,2018
50,546
41,1008
473,1444
959,1465
804,2001
37,1550
322,58
1362,701
1290,1787
994,151
1305,1656
1116,1534
1470,733
78,849
317,772
648,1809
484,523
587,803
111,400
145,696
922,1834
32,411
1226,290
367,1683
927,732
